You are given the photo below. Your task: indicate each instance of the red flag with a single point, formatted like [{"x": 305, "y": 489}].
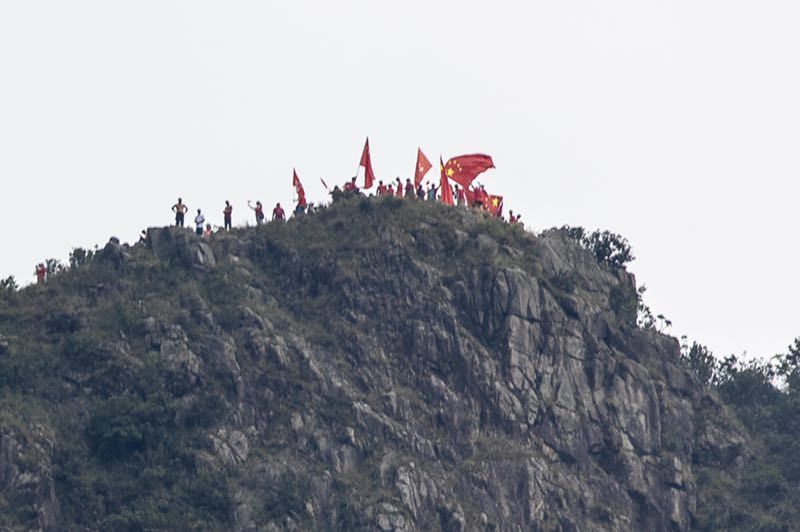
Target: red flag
[
  {"x": 494, "y": 205},
  {"x": 298, "y": 187},
  {"x": 366, "y": 162},
  {"x": 465, "y": 168},
  {"x": 447, "y": 192},
  {"x": 423, "y": 165},
  {"x": 469, "y": 195}
]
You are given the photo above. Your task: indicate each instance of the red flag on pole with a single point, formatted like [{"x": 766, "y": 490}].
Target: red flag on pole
[
  {"x": 298, "y": 188},
  {"x": 423, "y": 165},
  {"x": 494, "y": 205},
  {"x": 465, "y": 168},
  {"x": 366, "y": 162},
  {"x": 447, "y": 192}
]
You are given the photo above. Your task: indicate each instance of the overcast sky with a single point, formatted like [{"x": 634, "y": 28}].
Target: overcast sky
[{"x": 676, "y": 124}]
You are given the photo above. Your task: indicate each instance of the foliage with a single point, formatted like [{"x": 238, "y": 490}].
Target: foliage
[
  {"x": 80, "y": 257},
  {"x": 54, "y": 267},
  {"x": 127, "y": 425},
  {"x": 644, "y": 316},
  {"x": 9, "y": 284},
  {"x": 765, "y": 396},
  {"x": 607, "y": 247},
  {"x": 700, "y": 360}
]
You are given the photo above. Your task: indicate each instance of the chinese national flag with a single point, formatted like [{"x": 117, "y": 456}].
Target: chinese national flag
[
  {"x": 298, "y": 188},
  {"x": 447, "y": 192},
  {"x": 494, "y": 205},
  {"x": 423, "y": 165},
  {"x": 465, "y": 168},
  {"x": 366, "y": 162}
]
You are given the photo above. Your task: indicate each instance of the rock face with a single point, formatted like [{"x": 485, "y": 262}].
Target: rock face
[
  {"x": 180, "y": 246},
  {"x": 437, "y": 371},
  {"x": 26, "y": 475}
]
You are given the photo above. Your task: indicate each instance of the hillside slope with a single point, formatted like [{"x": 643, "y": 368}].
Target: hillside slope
[{"x": 380, "y": 365}]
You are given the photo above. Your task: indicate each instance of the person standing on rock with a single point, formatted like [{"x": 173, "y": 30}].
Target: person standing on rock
[
  {"x": 227, "y": 212},
  {"x": 179, "y": 209},
  {"x": 278, "y": 213},
  {"x": 207, "y": 233},
  {"x": 199, "y": 220},
  {"x": 259, "y": 211}
]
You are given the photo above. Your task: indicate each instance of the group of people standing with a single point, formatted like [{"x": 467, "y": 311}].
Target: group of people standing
[{"x": 204, "y": 229}]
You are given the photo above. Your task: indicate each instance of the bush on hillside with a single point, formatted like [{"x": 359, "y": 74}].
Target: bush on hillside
[{"x": 607, "y": 247}]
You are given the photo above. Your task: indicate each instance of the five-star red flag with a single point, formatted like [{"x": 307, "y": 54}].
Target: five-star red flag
[
  {"x": 298, "y": 188},
  {"x": 494, "y": 205},
  {"x": 465, "y": 168},
  {"x": 366, "y": 162},
  {"x": 447, "y": 192},
  {"x": 423, "y": 165}
]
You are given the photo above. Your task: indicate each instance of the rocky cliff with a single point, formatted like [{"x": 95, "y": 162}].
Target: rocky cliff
[{"x": 379, "y": 365}]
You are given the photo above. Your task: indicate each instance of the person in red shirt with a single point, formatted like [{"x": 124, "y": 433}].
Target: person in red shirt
[
  {"x": 41, "y": 273},
  {"x": 227, "y": 212},
  {"x": 390, "y": 190},
  {"x": 410, "y": 191},
  {"x": 399, "y": 190},
  {"x": 259, "y": 211},
  {"x": 351, "y": 187},
  {"x": 278, "y": 213},
  {"x": 381, "y": 189},
  {"x": 480, "y": 197}
]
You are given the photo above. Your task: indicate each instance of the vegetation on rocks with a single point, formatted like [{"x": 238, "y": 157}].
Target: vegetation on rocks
[{"x": 381, "y": 364}]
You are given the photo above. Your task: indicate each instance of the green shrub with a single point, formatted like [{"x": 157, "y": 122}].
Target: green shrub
[{"x": 125, "y": 426}]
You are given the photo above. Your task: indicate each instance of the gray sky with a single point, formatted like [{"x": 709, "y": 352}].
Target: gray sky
[{"x": 676, "y": 124}]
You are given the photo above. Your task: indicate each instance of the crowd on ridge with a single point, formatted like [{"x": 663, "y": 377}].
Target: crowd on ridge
[
  {"x": 428, "y": 192},
  {"x": 462, "y": 169},
  {"x": 407, "y": 190}
]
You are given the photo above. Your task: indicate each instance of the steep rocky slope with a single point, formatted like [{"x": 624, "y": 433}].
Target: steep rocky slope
[{"x": 380, "y": 365}]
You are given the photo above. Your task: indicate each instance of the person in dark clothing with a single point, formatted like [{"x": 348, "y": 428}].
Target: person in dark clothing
[
  {"x": 227, "y": 213},
  {"x": 179, "y": 209}
]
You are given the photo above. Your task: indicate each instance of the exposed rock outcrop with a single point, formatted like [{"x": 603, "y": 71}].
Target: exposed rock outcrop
[{"x": 397, "y": 366}]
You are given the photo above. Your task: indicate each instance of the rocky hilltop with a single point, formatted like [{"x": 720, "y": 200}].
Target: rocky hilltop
[{"x": 379, "y": 365}]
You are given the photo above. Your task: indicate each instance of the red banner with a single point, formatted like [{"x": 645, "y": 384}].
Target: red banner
[
  {"x": 465, "y": 168},
  {"x": 366, "y": 162}
]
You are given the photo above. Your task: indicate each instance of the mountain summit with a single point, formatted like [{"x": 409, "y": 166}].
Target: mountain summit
[{"x": 379, "y": 365}]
